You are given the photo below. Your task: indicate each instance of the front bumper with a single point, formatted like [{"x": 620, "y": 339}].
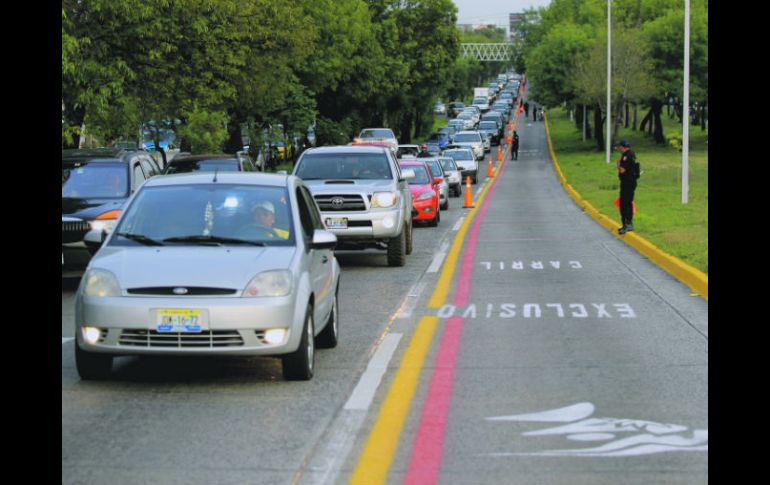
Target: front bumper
[
  {"x": 230, "y": 325},
  {"x": 426, "y": 210},
  {"x": 374, "y": 224}
]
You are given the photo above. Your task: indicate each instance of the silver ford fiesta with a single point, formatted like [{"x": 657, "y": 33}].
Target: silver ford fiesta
[{"x": 211, "y": 264}]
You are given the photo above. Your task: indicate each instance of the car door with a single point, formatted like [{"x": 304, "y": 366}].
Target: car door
[
  {"x": 321, "y": 260},
  {"x": 137, "y": 174},
  {"x": 403, "y": 188}
]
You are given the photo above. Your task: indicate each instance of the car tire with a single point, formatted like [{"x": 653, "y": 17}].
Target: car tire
[
  {"x": 446, "y": 204},
  {"x": 436, "y": 220},
  {"x": 397, "y": 250},
  {"x": 298, "y": 365},
  {"x": 92, "y": 366},
  {"x": 410, "y": 239},
  {"x": 329, "y": 336},
  {"x": 475, "y": 180}
]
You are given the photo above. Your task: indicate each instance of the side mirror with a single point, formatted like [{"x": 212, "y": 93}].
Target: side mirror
[
  {"x": 323, "y": 240},
  {"x": 407, "y": 174},
  {"x": 94, "y": 239},
  {"x": 438, "y": 180}
]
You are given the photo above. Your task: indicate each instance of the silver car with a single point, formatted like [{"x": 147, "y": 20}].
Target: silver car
[
  {"x": 438, "y": 172},
  {"x": 452, "y": 173},
  {"x": 211, "y": 264}
]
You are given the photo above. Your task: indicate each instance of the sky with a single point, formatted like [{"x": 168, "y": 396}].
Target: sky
[{"x": 493, "y": 11}]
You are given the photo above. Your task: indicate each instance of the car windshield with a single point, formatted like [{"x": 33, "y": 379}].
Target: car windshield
[
  {"x": 207, "y": 214},
  {"x": 480, "y": 100},
  {"x": 467, "y": 137},
  {"x": 459, "y": 154},
  {"x": 356, "y": 166},
  {"x": 487, "y": 125},
  {"x": 182, "y": 166},
  {"x": 94, "y": 180},
  {"x": 377, "y": 134},
  {"x": 420, "y": 174},
  {"x": 448, "y": 163}
]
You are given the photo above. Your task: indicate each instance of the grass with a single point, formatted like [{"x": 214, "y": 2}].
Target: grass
[{"x": 661, "y": 218}]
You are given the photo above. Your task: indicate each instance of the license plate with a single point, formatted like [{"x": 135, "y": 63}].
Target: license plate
[
  {"x": 336, "y": 222},
  {"x": 184, "y": 321}
]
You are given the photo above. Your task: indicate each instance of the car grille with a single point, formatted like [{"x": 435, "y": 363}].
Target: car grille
[
  {"x": 206, "y": 339},
  {"x": 346, "y": 202},
  {"x": 73, "y": 231},
  {"x": 191, "y": 291}
]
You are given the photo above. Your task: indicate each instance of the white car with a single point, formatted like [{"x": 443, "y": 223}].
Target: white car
[
  {"x": 482, "y": 103},
  {"x": 211, "y": 264},
  {"x": 378, "y": 135},
  {"x": 465, "y": 161},
  {"x": 472, "y": 140}
]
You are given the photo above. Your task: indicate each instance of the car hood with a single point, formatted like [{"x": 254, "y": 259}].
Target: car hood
[
  {"x": 216, "y": 267},
  {"x": 335, "y": 186},
  {"x": 468, "y": 143},
  {"x": 89, "y": 208},
  {"x": 419, "y": 189}
]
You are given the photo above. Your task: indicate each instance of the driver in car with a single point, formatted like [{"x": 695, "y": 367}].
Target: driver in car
[{"x": 264, "y": 217}]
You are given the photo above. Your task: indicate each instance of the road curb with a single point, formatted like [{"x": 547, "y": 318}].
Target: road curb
[{"x": 697, "y": 280}]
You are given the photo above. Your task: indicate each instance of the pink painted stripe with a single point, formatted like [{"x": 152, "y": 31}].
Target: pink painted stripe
[{"x": 425, "y": 462}]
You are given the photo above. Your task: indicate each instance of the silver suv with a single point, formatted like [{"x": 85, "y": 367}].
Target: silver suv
[{"x": 363, "y": 197}]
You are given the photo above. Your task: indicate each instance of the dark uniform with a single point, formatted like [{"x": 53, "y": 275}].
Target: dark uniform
[
  {"x": 515, "y": 146},
  {"x": 424, "y": 153},
  {"x": 628, "y": 178}
]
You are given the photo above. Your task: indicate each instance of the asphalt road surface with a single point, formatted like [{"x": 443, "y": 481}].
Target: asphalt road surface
[{"x": 521, "y": 344}]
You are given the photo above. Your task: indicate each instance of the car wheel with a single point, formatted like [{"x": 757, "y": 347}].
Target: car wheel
[
  {"x": 329, "y": 336},
  {"x": 446, "y": 204},
  {"x": 298, "y": 366},
  {"x": 410, "y": 239},
  {"x": 436, "y": 220},
  {"x": 397, "y": 250},
  {"x": 92, "y": 366}
]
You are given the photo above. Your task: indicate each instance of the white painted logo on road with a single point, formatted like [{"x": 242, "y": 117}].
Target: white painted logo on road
[{"x": 630, "y": 437}]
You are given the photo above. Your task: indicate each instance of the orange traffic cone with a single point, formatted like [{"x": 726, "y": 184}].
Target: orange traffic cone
[
  {"x": 468, "y": 196},
  {"x": 499, "y": 154},
  {"x": 490, "y": 172}
]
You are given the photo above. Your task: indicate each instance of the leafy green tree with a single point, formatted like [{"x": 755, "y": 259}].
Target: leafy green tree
[{"x": 205, "y": 130}]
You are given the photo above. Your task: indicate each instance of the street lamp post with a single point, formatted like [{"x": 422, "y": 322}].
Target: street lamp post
[
  {"x": 686, "y": 106},
  {"x": 609, "y": 77}
]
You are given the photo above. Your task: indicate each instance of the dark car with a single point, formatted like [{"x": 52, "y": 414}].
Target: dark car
[
  {"x": 95, "y": 185},
  {"x": 492, "y": 129},
  {"x": 210, "y": 163},
  {"x": 439, "y": 138},
  {"x": 455, "y": 108}
]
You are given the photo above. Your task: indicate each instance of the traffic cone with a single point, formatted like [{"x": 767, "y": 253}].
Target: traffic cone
[
  {"x": 499, "y": 154},
  {"x": 468, "y": 196},
  {"x": 490, "y": 172}
]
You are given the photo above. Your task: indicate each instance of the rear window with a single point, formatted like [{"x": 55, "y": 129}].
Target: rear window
[
  {"x": 459, "y": 154},
  {"x": 487, "y": 125},
  {"x": 94, "y": 180},
  {"x": 377, "y": 134},
  {"x": 467, "y": 137},
  {"x": 184, "y": 166},
  {"x": 480, "y": 100},
  {"x": 355, "y": 166},
  {"x": 435, "y": 169},
  {"x": 448, "y": 163},
  {"x": 420, "y": 175}
]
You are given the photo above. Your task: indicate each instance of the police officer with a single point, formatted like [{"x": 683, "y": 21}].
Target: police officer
[
  {"x": 628, "y": 173},
  {"x": 515, "y": 145},
  {"x": 424, "y": 153}
]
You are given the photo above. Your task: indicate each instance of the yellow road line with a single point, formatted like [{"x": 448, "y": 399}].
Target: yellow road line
[{"x": 383, "y": 440}]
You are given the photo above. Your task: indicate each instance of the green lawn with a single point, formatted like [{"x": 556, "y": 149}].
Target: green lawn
[{"x": 679, "y": 229}]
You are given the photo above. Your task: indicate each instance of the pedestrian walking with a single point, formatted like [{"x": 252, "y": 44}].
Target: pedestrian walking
[
  {"x": 515, "y": 145},
  {"x": 628, "y": 172},
  {"x": 534, "y": 112},
  {"x": 526, "y": 108}
]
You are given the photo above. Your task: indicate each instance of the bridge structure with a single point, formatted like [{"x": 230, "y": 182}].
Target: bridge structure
[{"x": 486, "y": 52}]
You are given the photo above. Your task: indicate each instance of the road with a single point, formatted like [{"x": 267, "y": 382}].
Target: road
[{"x": 537, "y": 349}]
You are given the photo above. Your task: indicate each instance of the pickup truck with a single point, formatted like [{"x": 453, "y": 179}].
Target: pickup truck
[{"x": 363, "y": 197}]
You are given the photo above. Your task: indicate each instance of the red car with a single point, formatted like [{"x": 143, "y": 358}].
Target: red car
[{"x": 425, "y": 192}]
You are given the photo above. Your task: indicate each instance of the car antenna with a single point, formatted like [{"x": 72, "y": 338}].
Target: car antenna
[{"x": 216, "y": 171}]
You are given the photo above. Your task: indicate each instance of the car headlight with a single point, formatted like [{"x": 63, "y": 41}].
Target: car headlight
[
  {"x": 101, "y": 283},
  {"x": 383, "y": 199},
  {"x": 106, "y": 222},
  {"x": 269, "y": 283},
  {"x": 425, "y": 195}
]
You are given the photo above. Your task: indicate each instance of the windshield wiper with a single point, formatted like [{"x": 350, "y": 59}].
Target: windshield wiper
[
  {"x": 211, "y": 240},
  {"x": 140, "y": 238}
]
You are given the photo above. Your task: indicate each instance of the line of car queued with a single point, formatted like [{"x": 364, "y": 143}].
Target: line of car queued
[{"x": 217, "y": 258}]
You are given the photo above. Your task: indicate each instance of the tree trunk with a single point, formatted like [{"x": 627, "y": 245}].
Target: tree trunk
[
  {"x": 633, "y": 127},
  {"x": 75, "y": 117},
  {"x": 647, "y": 119},
  {"x": 589, "y": 135},
  {"x": 658, "y": 133},
  {"x": 598, "y": 127},
  {"x": 625, "y": 119},
  {"x": 234, "y": 141}
]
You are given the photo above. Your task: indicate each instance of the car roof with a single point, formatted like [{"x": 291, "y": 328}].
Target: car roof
[
  {"x": 112, "y": 153},
  {"x": 413, "y": 162},
  {"x": 362, "y": 148},
  {"x": 198, "y": 158},
  {"x": 247, "y": 178}
]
